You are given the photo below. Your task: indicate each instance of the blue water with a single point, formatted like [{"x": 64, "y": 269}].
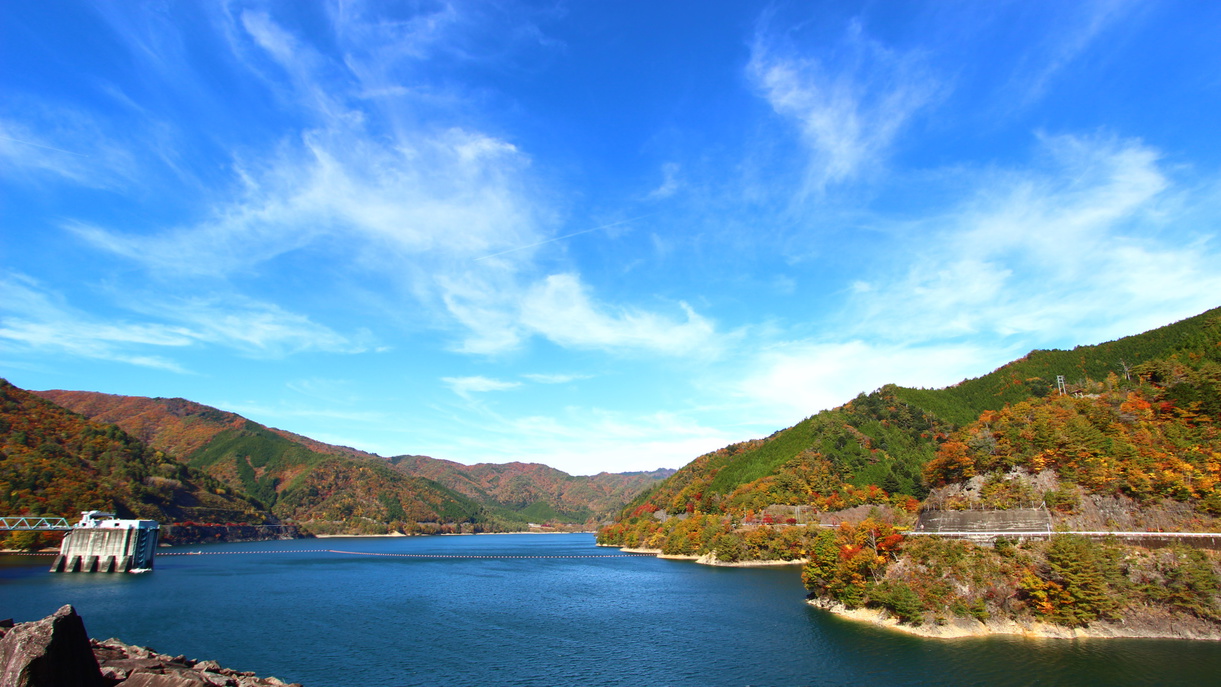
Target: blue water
[{"x": 330, "y": 620}]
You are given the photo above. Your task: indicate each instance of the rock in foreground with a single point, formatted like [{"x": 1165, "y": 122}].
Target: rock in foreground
[{"x": 56, "y": 651}]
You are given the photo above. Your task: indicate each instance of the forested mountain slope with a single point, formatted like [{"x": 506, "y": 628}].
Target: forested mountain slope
[
  {"x": 1134, "y": 443},
  {"x": 307, "y": 480},
  {"x": 874, "y": 449},
  {"x": 332, "y": 491},
  {"x": 1034, "y": 375},
  {"x": 56, "y": 462},
  {"x": 1126, "y": 456},
  {"x": 533, "y": 490},
  {"x": 174, "y": 425}
]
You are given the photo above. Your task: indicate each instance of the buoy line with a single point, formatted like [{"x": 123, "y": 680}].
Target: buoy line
[{"x": 400, "y": 555}]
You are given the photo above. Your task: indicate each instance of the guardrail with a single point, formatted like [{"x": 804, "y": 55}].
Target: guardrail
[
  {"x": 1048, "y": 533},
  {"x": 34, "y": 523}
]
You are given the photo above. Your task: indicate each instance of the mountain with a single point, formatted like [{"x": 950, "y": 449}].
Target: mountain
[
  {"x": 873, "y": 450},
  {"x": 532, "y": 490},
  {"x": 1131, "y": 456},
  {"x": 56, "y": 462},
  {"x": 307, "y": 480},
  {"x": 1034, "y": 375},
  {"x": 1130, "y": 442},
  {"x": 332, "y": 490}
]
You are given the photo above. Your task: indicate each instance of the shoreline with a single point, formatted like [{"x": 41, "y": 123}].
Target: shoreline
[
  {"x": 1136, "y": 626},
  {"x": 708, "y": 558},
  {"x": 440, "y": 534}
]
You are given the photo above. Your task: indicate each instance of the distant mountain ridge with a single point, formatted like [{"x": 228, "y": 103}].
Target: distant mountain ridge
[
  {"x": 539, "y": 491},
  {"x": 302, "y": 478}
]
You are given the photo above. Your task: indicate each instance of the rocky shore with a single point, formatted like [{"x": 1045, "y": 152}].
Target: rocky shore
[
  {"x": 1151, "y": 624},
  {"x": 57, "y": 651}
]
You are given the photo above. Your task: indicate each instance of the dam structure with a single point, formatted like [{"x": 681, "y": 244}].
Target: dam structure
[{"x": 102, "y": 543}]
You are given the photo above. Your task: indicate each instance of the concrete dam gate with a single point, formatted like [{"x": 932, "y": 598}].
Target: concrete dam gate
[{"x": 102, "y": 543}]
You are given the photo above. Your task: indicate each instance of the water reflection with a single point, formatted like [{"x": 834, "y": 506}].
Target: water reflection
[{"x": 327, "y": 619}]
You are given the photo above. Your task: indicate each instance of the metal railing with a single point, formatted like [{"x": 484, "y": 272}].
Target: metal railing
[{"x": 34, "y": 523}]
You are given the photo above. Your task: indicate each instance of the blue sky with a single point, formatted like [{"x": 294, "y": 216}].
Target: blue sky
[{"x": 597, "y": 235}]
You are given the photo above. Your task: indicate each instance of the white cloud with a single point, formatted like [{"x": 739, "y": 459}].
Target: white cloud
[
  {"x": 849, "y": 111},
  {"x": 1091, "y": 243},
  {"x": 669, "y": 182},
  {"x": 792, "y": 380},
  {"x": 442, "y": 196},
  {"x": 1094, "y": 243},
  {"x": 260, "y": 329},
  {"x": 554, "y": 378},
  {"x": 1070, "y": 35},
  {"x": 465, "y": 386},
  {"x": 583, "y": 441},
  {"x": 64, "y": 143},
  {"x": 32, "y": 318},
  {"x": 501, "y": 315},
  {"x": 36, "y": 318},
  {"x": 560, "y": 309},
  {"x": 375, "y": 192}
]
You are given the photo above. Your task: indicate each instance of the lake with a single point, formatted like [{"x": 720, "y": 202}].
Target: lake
[{"x": 565, "y": 612}]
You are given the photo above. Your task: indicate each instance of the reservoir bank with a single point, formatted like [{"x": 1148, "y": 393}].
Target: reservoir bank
[{"x": 527, "y": 610}]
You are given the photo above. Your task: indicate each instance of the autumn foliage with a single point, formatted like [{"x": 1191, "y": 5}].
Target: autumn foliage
[
  {"x": 54, "y": 462},
  {"x": 1134, "y": 441}
]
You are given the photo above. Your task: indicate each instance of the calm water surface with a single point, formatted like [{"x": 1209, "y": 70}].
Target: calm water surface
[{"x": 330, "y": 620}]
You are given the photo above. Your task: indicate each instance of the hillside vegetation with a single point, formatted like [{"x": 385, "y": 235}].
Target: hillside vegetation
[
  {"x": 1137, "y": 431},
  {"x": 1130, "y": 443},
  {"x": 531, "y": 490},
  {"x": 55, "y": 462},
  {"x": 341, "y": 489}
]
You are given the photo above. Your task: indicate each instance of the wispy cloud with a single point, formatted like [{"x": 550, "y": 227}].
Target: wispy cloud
[
  {"x": 1069, "y": 37},
  {"x": 1097, "y": 239},
  {"x": 848, "y": 110},
  {"x": 33, "y": 316},
  {"x": 1075, "y": 243},
  {"x": 466, "y": 386},
  {"x": 560, "y": 309},
  {"x": 795, "y": 379},
  {"x": 554, "y": 378},
  {"x": 255, "y": 328},
  {"x": 438, "y": 196},
  {"x": 63, "y": 144},
  {"x": 581, "y": 437},
  {"x": 669, "y": 182},
  {"x": 422, "y": 206}
]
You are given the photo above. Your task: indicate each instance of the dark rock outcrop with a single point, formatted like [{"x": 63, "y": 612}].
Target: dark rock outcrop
[
  {"x": 50, "y": 652},
  {"x": 57, "y": 652}
]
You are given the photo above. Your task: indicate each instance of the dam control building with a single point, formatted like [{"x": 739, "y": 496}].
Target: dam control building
[{"x": 100, "y": 542}]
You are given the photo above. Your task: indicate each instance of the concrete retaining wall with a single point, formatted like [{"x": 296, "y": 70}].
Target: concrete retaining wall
[{"x": 1017, "y": 520}]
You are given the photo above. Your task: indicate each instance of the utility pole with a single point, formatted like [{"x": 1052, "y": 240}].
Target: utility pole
[{"x": 1063, "y": 388}]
